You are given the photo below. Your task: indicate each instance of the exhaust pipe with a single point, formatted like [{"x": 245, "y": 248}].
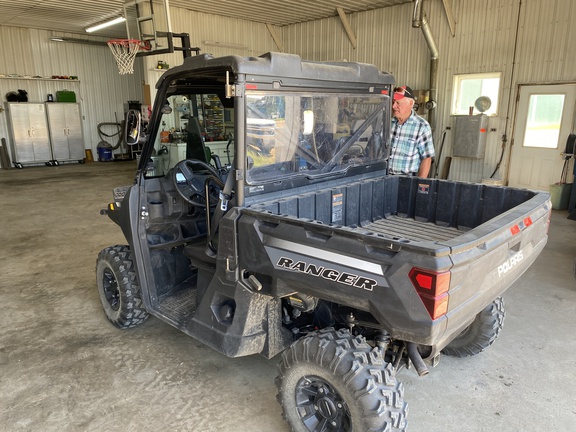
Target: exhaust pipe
[
  {"x": 416, "y": 359},
  {"x": 417, "y": 14},
  {"x": 420, "y": 21}
]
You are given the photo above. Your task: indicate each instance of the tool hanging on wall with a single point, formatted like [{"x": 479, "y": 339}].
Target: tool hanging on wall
[{"x": 568, "y": 154}]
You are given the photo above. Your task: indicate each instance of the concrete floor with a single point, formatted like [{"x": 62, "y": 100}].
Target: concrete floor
[{"x": 63, "y": 367}]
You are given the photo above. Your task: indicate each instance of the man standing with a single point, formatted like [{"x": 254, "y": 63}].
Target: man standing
[{"x": 411, "y": 147}]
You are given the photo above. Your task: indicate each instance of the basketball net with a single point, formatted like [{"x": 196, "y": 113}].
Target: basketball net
[{"x": 124, "y": 51}]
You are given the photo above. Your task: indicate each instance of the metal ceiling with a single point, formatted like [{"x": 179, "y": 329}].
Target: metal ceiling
[{"x": 73, "y": 16}]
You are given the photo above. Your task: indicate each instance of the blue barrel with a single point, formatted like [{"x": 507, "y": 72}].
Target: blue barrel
[{"x": 104, "y": 154}]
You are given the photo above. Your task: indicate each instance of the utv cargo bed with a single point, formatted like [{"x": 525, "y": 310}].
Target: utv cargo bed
[{"x": 412, "y": 211}]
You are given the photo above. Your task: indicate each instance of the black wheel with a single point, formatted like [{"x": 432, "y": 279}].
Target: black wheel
[
  {"x": 118, "y": 287},
  {"x": 481, "y": 333},
  {"x": 81, "y": 161},
  {"x": 332, "y": 381},
  {"x": 18, "y": 165}
]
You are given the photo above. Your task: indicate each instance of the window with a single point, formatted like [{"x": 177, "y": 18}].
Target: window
[
  {"x": 469, "y": 87},
  {"x": 310, "y": 134},
  {"x": 544, "y": 118}
]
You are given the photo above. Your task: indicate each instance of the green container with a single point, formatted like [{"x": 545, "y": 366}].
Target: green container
[
  {"x": 65, "y": 96},
  {"x": 560, "y": 195}
]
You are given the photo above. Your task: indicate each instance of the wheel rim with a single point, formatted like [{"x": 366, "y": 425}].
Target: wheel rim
[
  {"x": 111, "y": 291},
  {"x": 320, "y": 407}
]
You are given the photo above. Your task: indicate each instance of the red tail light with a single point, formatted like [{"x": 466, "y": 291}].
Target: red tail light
[{"x": 432, "y": 287}]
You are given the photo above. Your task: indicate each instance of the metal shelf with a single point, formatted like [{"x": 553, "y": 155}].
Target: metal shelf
[{"x": 40, "y": 79}]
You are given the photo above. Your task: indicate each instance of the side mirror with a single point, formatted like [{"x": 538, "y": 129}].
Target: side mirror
[{"x": 132, "y": 127}]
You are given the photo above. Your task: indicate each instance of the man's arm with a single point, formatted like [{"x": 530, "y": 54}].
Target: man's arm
[
  {"x": 426, "y": 150},
  {"x": 424, "y": 167}
]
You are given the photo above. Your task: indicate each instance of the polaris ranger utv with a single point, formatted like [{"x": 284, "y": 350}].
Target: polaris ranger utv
[{"x": 262, "y": 221}]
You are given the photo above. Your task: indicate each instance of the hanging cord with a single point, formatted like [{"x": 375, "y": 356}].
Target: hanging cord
[
  {"x": 504, "y": 140},
  {"x": 512, "y": 72},
  {"x": 564, "y": 171},
  {"x": 568, "y": 154},
  {"x": 106, "y": 144}
]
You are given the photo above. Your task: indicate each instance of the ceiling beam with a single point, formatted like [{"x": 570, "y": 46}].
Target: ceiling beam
[
  {"x": 275, "y": 37},
  {"x": 449, "y": 16},
  {"x": 347, "y": 27}
]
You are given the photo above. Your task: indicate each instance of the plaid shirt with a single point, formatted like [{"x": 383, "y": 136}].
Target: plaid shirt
[{"x": 409, "y": 144}]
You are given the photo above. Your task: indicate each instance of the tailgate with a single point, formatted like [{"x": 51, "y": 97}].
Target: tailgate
[{"x": 490, "y": 258}]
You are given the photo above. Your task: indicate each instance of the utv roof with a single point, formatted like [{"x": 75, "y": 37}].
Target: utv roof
[{"x": 281, "y": 65}]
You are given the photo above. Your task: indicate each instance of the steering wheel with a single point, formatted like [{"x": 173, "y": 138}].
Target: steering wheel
[{"x": 190, "y": 185}]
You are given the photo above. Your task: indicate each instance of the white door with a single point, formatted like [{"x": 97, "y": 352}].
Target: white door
[{"x": 544, "y": 120}]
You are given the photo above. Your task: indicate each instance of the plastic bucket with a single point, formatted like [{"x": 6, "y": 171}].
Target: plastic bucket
[
  {"x": 104, "y": 154},
  {"x": 560, "y": 195}
]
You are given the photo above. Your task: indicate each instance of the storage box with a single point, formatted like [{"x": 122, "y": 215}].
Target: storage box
[
  {"x": 560, "y": 195},
  {"x": 65, "y": 96}
]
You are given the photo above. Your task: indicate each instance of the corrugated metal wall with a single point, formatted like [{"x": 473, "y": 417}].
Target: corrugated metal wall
[
  {"x": 484, "y": 42},
  {"x": 100, "y": 90}
]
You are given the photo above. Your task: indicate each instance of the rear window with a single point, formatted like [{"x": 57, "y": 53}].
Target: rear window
[{"x": 312, "y": 134}]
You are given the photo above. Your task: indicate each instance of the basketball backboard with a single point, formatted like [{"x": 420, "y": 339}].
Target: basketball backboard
[{"x": 149, "y": 22}]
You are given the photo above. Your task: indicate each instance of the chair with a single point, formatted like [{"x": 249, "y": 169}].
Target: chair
[{"x": 195, "y": 148}]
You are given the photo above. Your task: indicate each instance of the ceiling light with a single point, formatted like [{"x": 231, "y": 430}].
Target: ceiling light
[
  {"x": 225, "y": 44},
  {"x": 105, "y": 24}
]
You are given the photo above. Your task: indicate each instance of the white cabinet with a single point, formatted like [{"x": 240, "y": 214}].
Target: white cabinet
[
  {"x": 65, "y": 126},
  {"x": 28, "y": 129},
  {"x": 176, "y": 152},
  {"x": 45, "y": 133},
  {"x": 219, "y": 148}
]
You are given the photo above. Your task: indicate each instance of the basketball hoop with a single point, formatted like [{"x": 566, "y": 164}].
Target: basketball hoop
[{"x": 124, "y": 51}]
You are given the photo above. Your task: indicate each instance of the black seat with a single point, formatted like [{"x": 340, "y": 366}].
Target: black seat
[{"x": 195, "y": 147}]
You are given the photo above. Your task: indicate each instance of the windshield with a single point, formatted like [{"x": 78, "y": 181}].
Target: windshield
[
  {"x": 312, "y": 134},
  {"x": 193, "y": 126}
]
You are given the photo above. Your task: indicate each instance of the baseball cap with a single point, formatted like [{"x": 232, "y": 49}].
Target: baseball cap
[{"x": 403, "y": 92}]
